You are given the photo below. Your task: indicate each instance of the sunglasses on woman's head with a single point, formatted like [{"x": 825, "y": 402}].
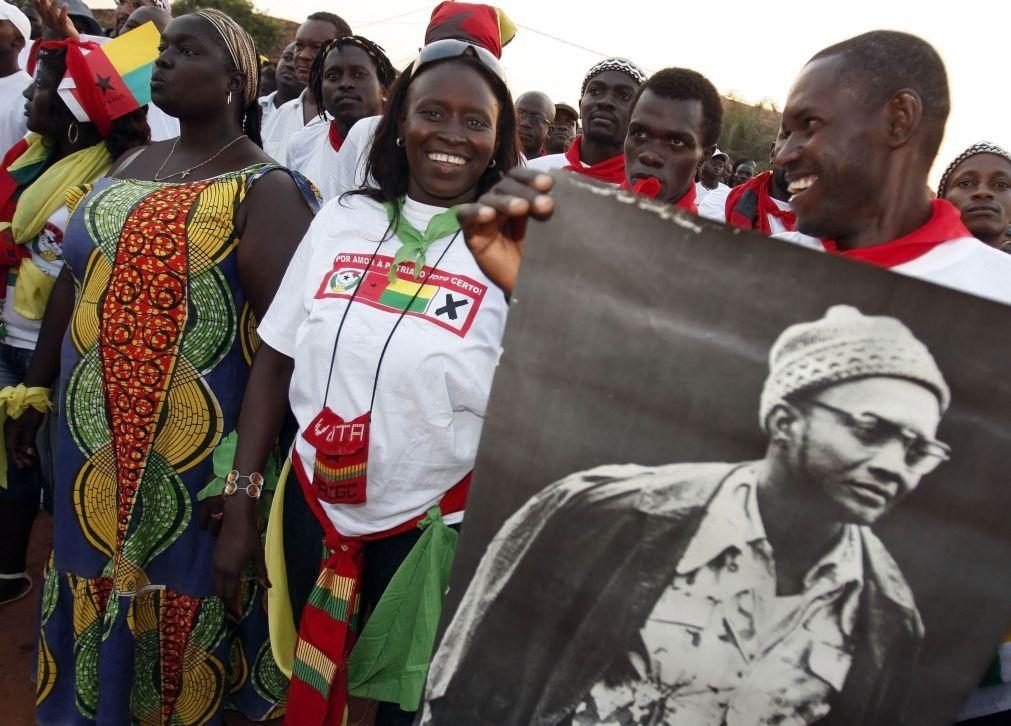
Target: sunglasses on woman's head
[{"x": 451, "y": 48}]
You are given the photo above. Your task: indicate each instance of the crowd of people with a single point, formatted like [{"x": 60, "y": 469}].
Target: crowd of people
[{"x": 319, "y": 252}]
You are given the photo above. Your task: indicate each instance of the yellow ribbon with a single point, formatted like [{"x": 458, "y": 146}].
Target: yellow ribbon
[{"x": 14, "y": 401}]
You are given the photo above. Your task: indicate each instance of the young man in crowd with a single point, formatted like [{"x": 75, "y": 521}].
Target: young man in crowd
[
  {"x": 711, "y": 176},
  {"x": 301, "y": 110},
  {"x": 534, "y": 115},
  {"x": 759, "y": 203},
  {"x": 288, "y": 86},
  {"x": 15, "y": 34},
  {"x": 978, "y": 182},
  {"x": 563, "y": 130},
  {"x": 862, "y": 126},
  {"x": 676, "y": 120},
  {"x": 744, "y": 169},
  {"x": 605, "y": 105}
]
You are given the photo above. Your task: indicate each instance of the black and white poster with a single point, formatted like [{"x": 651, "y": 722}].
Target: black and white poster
[{"x": 728, "y": 480}]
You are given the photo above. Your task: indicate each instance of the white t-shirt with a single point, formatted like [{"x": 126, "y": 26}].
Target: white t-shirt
[
  {"x": 13, "y": 125},
  {"x": 702, "y": 191},
  {"x": 283, "y": 124},
  {"x": 47, "y": 254},
  {"x": 267, "y": 108},
  {"x": 714, "y": 204},
  {"x": 435, "y": 378},
  {"x": 963, "y": 264},
  {"x": 348, "y": 170},
  {"x": 549, "y": 163},
  {"x": 311, "y": 154}
]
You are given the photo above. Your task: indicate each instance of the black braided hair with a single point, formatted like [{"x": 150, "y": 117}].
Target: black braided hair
[
  {"x": 252, "y": 120},
  {"x": 385, "y": 71}
]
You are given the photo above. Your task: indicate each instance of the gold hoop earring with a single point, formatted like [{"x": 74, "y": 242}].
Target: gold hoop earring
[
  {"x": 399, "y": 142},
  {"x": 73, "y": 132}
]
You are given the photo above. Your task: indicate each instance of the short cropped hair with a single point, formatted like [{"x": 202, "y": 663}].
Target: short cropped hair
[
  {"x": 684, "y": 84},
  {"x": 879, "y": 64},
  {"x": 339, "y": 24}
]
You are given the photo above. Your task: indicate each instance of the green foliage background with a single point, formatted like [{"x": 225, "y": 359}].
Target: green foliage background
[{"x": 267, "y": 32}]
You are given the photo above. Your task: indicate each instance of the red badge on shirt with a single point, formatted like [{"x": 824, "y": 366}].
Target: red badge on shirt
[{"x": 342, "y": 454}]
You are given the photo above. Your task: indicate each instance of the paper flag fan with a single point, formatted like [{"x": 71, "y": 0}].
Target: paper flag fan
[{"x": 121, "y": 71}]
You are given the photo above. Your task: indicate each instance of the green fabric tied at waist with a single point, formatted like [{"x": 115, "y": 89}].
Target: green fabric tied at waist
[
  {"x": 391, "y": 658},
  {"x": 224, "y": 459}
]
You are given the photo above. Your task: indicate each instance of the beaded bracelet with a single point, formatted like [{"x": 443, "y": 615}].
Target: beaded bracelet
[{"x": 253, "y": 490}]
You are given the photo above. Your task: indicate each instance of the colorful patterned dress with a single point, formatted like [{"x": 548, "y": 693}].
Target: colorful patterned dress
[{"x": 153, "y": 370}]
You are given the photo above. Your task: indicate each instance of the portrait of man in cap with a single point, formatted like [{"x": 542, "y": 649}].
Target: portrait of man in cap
[{"x": 704, "y": 594}]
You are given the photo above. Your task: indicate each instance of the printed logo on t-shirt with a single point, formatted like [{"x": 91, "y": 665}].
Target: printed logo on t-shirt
[
  {"x": 450, "y": 301},
  {"x": 49, "y": 244}
]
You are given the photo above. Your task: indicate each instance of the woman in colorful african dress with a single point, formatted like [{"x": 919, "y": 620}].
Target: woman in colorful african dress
[{"x": 172, "y": 259}]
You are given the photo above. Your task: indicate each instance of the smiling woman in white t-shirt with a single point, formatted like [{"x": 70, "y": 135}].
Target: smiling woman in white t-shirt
[{"x": 385, "y": 333}]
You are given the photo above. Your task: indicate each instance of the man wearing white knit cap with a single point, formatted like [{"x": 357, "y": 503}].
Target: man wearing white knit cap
[
  {"x": 15, "y": 34},
  {"x": 712, "y": 594}
]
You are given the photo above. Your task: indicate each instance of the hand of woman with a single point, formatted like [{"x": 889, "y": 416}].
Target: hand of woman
[
  {"x": 55, "y": 17},
  {"x": 495, "y": 227},
  {"x": 20, "y": 436},
  {"x": 210, "y": 514},
  {"x": 238, "y": 544}
]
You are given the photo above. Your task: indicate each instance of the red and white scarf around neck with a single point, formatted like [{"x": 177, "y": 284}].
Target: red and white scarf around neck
[
  {"x": 945, "y": 224},
  {"x": 610, "y": 171}
]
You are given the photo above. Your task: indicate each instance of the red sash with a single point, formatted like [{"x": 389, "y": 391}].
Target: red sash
[
  {"x": 11, "y": 253},
  {"x": 611, "y": 171},
  {"x": 750, "y": 204},
  {"x": 945, "y": 224},
  {"x": 330, "y": 623}
]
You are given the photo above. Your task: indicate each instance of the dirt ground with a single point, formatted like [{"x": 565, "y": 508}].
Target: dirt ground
[
  {"x": 18, "y": 623},
  {"x": 17, "y": 635}
]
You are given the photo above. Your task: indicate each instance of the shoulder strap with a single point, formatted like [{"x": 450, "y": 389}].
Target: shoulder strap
[
  {"x": 126, "y": 160},
  {"x": 310, "y": 194}
]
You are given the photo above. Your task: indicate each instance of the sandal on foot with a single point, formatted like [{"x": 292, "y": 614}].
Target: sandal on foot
[{"x": 24, "y": 576}]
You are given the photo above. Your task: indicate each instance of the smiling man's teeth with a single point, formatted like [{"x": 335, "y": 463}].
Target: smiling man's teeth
[
  {"x": 448, "y": 159},
  {"x": 800, "y": 185}
]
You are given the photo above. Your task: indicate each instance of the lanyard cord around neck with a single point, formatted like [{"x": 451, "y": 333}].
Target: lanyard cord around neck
[{"x": 354, "y": 294}]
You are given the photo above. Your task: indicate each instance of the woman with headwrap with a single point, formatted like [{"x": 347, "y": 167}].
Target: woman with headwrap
[
  {"x": 58, "y": 154},
  {"x": 978, "y": 182},
  {"x": 172, "y": 258}
]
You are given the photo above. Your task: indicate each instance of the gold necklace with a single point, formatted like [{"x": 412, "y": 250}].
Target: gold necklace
[{"x": 186, "y": 172}]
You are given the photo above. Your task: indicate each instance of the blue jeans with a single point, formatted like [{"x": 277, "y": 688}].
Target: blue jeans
[{"x": 26, "y": 484}]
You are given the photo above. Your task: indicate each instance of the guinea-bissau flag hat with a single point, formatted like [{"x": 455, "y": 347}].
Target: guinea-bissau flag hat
[
  {"x": 105, "y": 82},
  {"x": 483, "y": 25}
]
